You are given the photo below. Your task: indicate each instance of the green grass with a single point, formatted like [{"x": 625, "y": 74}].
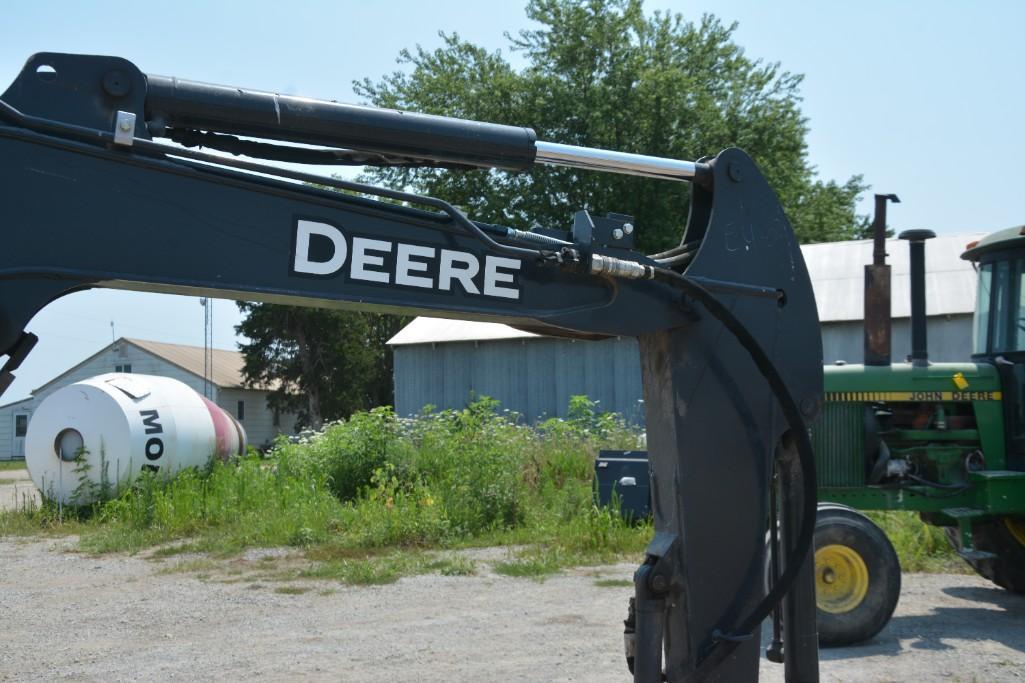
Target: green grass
[
  {"x": 12, "y": 465},
  {"x": 920, "y": 546},
  {"x": 385, "y": 569},
  {"x": 365, "y": 499},
  {"x": 539, "y": 567},
  {"x": 614, "y": 583},
  {"x": 203, "y": 565},
  {"x": 172, "y": 550},
  {"x": 291, "y": 590}
]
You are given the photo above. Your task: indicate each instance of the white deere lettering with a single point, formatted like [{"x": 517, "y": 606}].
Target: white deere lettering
[
  {"x": 492, "y": 276},
  {"x": 361, "y": 259},
  {"x": 448, "y": 271},
  {"x": 407, "y": 265},
  {"x": 303, "y": 264},
  {"x": 404, "y": 265}
]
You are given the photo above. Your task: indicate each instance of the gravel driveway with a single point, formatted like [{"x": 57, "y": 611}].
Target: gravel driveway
[{"x": 70, "y": 616}]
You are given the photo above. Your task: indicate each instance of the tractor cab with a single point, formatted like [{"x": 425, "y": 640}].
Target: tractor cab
[{"x": 999, "y": 328}]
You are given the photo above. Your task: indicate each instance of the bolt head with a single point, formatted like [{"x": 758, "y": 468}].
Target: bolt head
[
  {"x": 126, "y": 125},
  {"x": 617, "y": 233},
  {"x": 659, "y": 583},
  {"x": 117, "y": 83}
]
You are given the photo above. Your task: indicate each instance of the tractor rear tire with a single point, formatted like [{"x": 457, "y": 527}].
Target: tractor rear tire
[
  {"x": 1005, "y": 538},
  {"x": 857, "y": 576}
]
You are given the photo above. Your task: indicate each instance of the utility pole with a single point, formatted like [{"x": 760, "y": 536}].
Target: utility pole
[{"x": 208, "y": 346}]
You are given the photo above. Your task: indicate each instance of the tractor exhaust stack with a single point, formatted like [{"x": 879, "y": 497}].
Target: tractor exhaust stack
[
  {"x": 916, "y": 244},
  {"x": 877, "y": 290}
]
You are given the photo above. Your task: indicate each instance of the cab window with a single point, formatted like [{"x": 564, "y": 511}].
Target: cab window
[{"x": 1000, "y": 308}]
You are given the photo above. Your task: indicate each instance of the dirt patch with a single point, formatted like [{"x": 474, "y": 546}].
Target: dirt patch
[{"x": 72, "y": 616}]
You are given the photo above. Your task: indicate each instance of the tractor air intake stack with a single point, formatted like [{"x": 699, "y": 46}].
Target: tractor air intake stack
[
  {"x": 916, "y": 244},
  {"x": 877, "y": 290}
]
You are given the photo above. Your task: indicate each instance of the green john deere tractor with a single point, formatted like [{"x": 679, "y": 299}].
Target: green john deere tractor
[{"x": 946, "y": 440}]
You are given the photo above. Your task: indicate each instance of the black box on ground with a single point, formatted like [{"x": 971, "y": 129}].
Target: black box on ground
[{"x": 626, "y": 474}]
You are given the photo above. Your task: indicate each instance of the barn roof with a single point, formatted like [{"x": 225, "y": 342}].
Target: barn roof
[
  {"x": 227, "y": 365},
  {"x": 227, "y": 370},
  {"x": 837, "y": 271}
]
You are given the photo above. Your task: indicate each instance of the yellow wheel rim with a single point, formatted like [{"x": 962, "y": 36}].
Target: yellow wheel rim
[
  {"x": 1017, "y": 528},
  {"x": 841, "y": 579}
]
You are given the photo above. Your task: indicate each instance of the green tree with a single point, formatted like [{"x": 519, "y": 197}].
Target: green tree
[
  {"x": 319, "y": 364},
  {"x": 602, "y": 73}
]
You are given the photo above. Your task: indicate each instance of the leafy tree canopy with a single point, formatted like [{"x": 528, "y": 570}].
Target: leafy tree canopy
[
  {"x": 321, "y": 365},
  {"x": 602, "y": 73}
]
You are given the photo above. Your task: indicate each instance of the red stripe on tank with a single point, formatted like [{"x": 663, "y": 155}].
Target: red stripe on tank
[{"x": 223, "y": 429}]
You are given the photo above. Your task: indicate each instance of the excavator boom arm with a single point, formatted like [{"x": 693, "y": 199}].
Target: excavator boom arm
[{"x": 728, "y": 330}]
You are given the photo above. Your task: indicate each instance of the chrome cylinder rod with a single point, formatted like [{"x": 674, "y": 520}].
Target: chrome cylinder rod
[{"x": 554, "y": 154}]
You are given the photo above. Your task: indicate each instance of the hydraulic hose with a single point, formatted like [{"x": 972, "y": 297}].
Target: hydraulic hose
[{"x": 725, "y": 642}]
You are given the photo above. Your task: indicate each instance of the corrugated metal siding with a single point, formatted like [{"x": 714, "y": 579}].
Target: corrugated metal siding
[
  {"x": 950, "y": 339},
  {"x": 837, "y": 271},
  {"x": 537, "y": 376}
]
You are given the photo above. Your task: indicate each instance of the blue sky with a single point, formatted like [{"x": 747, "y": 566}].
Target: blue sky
[{"x": 922, "y": 98}]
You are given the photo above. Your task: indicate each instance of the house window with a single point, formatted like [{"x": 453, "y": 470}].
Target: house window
[
  {"x": 127, "y": 367},
  {"x": 20, "y": 425},
  {"x": 240, "y": 411}
]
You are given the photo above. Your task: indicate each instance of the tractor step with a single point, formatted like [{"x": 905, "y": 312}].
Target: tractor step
[
  {"x": 963, "y": 513},
  {"x": 976, "y": 555}
]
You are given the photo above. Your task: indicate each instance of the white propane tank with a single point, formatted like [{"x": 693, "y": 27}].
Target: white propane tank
[{"x": 124, "y": 424}]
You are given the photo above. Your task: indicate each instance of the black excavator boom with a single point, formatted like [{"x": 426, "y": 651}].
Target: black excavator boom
[{"x": 727, "y": 324}]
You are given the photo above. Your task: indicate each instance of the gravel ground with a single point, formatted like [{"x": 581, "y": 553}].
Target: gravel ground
[{"x": 70, "y": 616}]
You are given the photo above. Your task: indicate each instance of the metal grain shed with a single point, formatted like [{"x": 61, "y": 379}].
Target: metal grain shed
[{"x": 445, "y": 363}]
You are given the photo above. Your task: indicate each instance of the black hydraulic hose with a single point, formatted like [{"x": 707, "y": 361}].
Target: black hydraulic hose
[
  {"x": 774, "y": 653},
  {"x": 725, "y": 642},
  {"x": 680, "y": 249},
  {"x": 949, "y": 490},
  {"x": 935, "y": 485},
  {"x": 161, "y": 150},
  {"x": 457, "y": 217},
  {"x": 301, "y": 155}
]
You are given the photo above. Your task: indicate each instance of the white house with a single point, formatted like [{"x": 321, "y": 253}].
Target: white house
[{"x": 184, "y": 363}]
